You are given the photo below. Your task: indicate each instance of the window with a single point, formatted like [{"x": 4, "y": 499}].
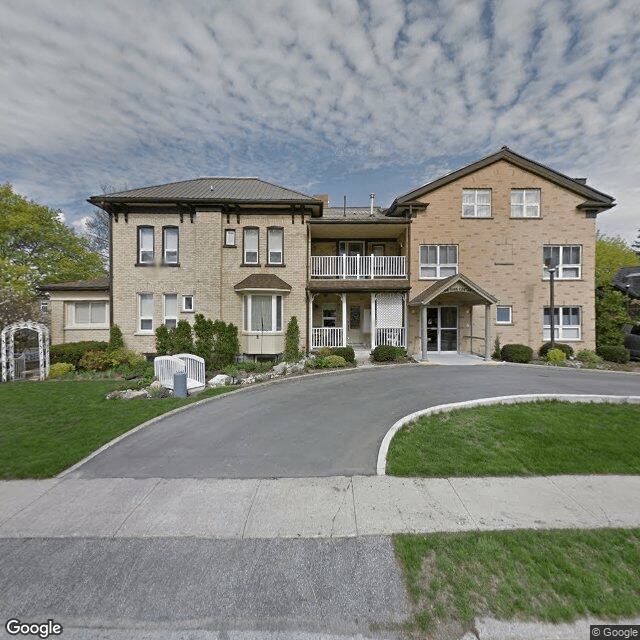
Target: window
[
  {"x": 476, "y": 203},
  {"x": 170, "y": 253},
  {"x": 145, "y": 245},
  {"x": 566, "y": 258},
  {"x": 145, "y": 312},
  {"x": 187, "y": 303},
  {"x": 171, "y": 310},
  {"x": 438, "y": 261},
  {"x": 263, "y": 313},
  {"x": 329, "y": 315},
  {"x": 89, "y": 314},
  {"x": 251, "y": 242},
  {"x": 275, "y": 241},
  {"x": 503, "y": 315},
  {"x": 230, "y": 238},
  {"x": 525, "y": 203},
  {"x": 566, "y": 321}
]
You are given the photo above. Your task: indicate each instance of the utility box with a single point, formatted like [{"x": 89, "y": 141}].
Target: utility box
[{"x": 180, "y": 384}]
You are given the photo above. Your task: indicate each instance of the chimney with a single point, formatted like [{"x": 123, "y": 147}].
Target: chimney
[
  {"x": 372, "y": 196},
  {"x": 323, "y": 197}
]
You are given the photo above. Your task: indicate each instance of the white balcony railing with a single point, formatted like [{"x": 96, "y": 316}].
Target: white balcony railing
[
  {"x": 395, "y": 336},
  {"x": 358, "y": 267},
  {"x": 326, "y": 337}
]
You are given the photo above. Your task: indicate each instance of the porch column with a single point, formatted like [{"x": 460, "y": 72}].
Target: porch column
[
  {"x": 310, "y": 324},
  {"x": 344, "y": 319},
  {"x": 405, "y": 320},
  {"x": 373, "y": 321},
  {"x": 487, "y": 332}
]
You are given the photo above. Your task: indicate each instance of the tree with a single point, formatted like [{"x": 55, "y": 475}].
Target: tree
[
  {"x": 14, "y": 307},
  {"x": 611, "y": 254},
  {"x": 636, "y": 245},
  {"x": 36, "y": 247},
  {"x": 98, "y": 227}
]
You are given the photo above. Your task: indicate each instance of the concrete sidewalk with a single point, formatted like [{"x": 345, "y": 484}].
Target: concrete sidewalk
[{"x": 311, "y": 507}]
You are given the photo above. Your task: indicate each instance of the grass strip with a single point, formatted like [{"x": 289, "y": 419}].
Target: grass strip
[
  {"x": 539, "y": 438},
  {"x": 48, "y": 426},
  {"x": 552, "y": 576}
]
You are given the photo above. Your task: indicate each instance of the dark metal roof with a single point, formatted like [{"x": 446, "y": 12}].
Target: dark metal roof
[
  {"x": 627, "y": 280},
  {"x": 596, "y": 199},
  {"x": 262, "y": 281},
  {"x": 209, "y": 190},
  {"x": 328, "y": 286},
  {"x": 96, "y": 284}
]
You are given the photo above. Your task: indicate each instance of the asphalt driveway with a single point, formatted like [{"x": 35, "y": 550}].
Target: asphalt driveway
[{"x": 321, "y": 425}]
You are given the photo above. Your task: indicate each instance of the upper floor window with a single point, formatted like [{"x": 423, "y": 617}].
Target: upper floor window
[
  {"x": 230, "y": 238},
  {"x": 275, "y": 242},
  {"x": 476, "y": 203},
  {"x": 438, "y": 261},
  {"x": 251, "y": 245},
  {"x": 145, "y": 245},
  {"x": 170, "y": 244},
  {"x": 525, "y": 203},
  {"x": 566, "y": 259},
  {"x": 566, "y": 323}
]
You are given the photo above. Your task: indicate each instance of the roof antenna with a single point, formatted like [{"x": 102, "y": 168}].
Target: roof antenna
[
  {"x": 344, "y": 207},
  {"x": 372, "y": 196}
]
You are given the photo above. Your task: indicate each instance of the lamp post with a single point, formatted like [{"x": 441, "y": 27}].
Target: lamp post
[{"x": 550, "y": 265}]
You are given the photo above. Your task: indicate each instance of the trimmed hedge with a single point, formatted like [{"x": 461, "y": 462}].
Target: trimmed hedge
[
  {"x": 329, "y": 362},
  {"x": 384, "y": 353},
  {"x": 516, "y": 353},
  {"x": 345, "y": 352},
  {"x": 614, "y": 353},
  {"x": 60, "y": 369},
  {"x": 544, "y": 349},
  {"x": 556, "y": 356},
  {"x": 72, "y": 352}
]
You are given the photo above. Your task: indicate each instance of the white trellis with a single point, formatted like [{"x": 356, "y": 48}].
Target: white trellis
[{"x": 8, "y": 355}]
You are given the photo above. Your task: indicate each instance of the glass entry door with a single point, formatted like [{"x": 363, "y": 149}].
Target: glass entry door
[{"x": 442, "y": 328}]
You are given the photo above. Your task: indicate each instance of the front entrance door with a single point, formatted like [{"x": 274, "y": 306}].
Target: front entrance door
[
  {"x": 441, "y": 329},
  {"x": 354, "y": 324}
]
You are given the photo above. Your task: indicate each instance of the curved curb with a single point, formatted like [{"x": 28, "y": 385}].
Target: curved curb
[{"x": 381, "y": 465}]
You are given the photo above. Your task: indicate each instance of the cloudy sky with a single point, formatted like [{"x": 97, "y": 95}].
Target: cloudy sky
[{"x": 345, "y": 97}]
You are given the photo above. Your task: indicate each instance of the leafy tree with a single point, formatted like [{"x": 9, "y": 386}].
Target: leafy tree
[
  {"x": 182, "y": 338},
  {"x": 611, "y": 254},
  {"x": 36, "y": 247},
  {"x": 636, "y": 245},
  {"x": 204, "y": 330},
  {"x": 611, "y": 315},
  {"x": 14, "y": 307}
]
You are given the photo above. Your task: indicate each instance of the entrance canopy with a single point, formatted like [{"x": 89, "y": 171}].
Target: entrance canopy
[{"x": 453, "y": 290}]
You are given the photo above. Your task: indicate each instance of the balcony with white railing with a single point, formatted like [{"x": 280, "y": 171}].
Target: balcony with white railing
[{"x": 358, "y": 267}]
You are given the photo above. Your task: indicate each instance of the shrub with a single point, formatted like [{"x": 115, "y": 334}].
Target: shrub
[
  {"x": 614, "y": 353},
  {"x": 589, "y": 358},
  {"x": 116, "y": 341},
  {"x": 292, "y": 341},
  {"x": 611, "y": 316},
  {"x": 60, "y": 369},
  {"x": 103, "y": 360},
  {"x": 332, "y": 361},
  {"x": 384, "y": 353},
  {"x": 516, "y": 353},
  {"x": 182, "y": 338},
  {"x": 163, "y": 341},
  {"x": 556, "y": 356},
  {"x": 226, "y": 345},
  {"x": 323, "y": 352},
  {"x": 496, "y": 348},
  {"x": 72, "y": 352},
  {"x": 567, "y": 349},
  {"x": 205, "y": 333},
  {"x": 346, "y": 352}
]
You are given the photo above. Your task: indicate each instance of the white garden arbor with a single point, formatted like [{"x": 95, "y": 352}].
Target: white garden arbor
[{"x": 8, "y": 355}]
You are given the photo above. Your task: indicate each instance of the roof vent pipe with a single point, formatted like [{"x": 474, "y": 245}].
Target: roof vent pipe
[{"x": 372, "y": 196}]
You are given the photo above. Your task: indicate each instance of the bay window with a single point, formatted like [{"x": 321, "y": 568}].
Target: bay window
[{"x": 263, "y": 313}]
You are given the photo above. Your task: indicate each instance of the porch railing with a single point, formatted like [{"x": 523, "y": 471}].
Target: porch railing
[
  {"x": 358, "y": 267},
  {"x": 326, "y": 337},
  {"x": 394, "y": 336}
]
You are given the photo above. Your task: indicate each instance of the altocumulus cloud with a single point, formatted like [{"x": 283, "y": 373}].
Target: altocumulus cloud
[{"x": 317, "y": 94}]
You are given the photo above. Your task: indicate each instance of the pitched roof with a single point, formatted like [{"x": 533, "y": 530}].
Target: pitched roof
[
  {"x": 262, "y": 281},
  {"x": 627, "y": 280},
  {"x": 468, "y": 291},
  {"x": 96, "y": 284},
  {"x": 210, "y": 190},
  {"x": 593, "y": 198}
]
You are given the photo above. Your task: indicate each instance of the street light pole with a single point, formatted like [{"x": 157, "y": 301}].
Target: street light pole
[{"x": 551, "y": 268}]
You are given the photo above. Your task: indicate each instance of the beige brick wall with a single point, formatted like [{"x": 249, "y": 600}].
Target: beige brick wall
[
  {"x": 61, "y": 306},
  {"x": 504, "y": 256},
  {"x": 208, "y": 270}
]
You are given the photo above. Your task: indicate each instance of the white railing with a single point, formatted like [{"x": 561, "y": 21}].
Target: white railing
[
  {"x": 326, "y": 337},
  {"x": 395, "y": 336},
  {"x": 358, "y": 267}
]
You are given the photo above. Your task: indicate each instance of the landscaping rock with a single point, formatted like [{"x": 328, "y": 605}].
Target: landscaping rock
[
  {"x": 219, "y": 381},
  {"x": 134, "y": 394},
  {"x": 280, "y": 369}
]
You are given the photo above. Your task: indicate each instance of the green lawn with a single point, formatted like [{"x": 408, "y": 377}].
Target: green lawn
[
  {"x": 551, "y": 576},
  {"x": 541, "y": 438},
  {"x": 48, "y": 426}
]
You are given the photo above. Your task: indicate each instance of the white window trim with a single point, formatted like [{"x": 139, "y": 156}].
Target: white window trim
[
  {"x": 438, "y": 265},
  {"x": 280, "y": 231},
  {"x": 246, "y": 315},
  {"x": 166, "y": 317},
  {"x": 244, "y": 245},
  {"x": 523, "y": 204},
  {"x": 151, "y": 230},
  {"x": 193, "y": 303},
  {"x": 560, "y": 328},
  {"x": 228, "y": 232},
  {"x": 504, "y": 306},
  {"x": 330, "y": 306},
  {"x": 140, "y": 330},
  {"x": 71, "y": 315},
  {"x": 165, "y": 251},
  {"x": 475, "y": 203},
  {"x": 561, "y": 266}
]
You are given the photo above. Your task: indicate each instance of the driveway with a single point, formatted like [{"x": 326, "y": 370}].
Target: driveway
[{"x": 321, "y": 425}]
